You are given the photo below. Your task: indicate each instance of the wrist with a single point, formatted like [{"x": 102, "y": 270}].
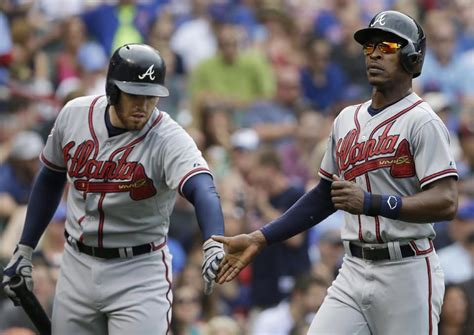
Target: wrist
[
  {"x": 258, "y": 238},
  {"x": 388, "y": 206}
]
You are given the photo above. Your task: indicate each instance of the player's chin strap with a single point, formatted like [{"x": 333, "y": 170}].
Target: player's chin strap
[{"x": 213, "y": 255}]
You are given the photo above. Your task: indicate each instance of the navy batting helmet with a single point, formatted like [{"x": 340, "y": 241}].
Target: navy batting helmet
[
  {"x": 406, "y": 28},
  {"x": 136, "y": 69}
]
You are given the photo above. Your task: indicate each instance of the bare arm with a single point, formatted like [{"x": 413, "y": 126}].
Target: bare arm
[{"x": 437, "y": 202}]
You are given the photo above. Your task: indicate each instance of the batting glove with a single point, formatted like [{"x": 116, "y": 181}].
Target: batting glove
[
  {"x": 213, "y": 255},
  {"x": 20, "y": 264}
]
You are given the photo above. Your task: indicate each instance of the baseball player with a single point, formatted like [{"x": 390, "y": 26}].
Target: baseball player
[
  {"x": 124, "y": 160},
  {"x": 389, "y": 168}
]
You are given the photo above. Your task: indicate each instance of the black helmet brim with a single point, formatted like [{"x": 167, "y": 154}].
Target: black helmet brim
[
  {"x": 148, "y": 89},
  {"x": 363, "y": 35}
]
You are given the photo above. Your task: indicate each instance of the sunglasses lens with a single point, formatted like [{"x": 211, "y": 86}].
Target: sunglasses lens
[
  {"x": 384, "y": 47},
  {"x": 368, "y": 48},
  {"x": 389, "y": 47}
]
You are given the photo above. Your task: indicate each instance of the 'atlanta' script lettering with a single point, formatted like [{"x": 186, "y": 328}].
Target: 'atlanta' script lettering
[{"x": 349, "y": 152}]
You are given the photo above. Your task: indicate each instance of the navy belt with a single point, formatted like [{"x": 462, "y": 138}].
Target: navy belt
[
  {"x": 377, "y": 253},
  {"x": 110, "y": 253}
]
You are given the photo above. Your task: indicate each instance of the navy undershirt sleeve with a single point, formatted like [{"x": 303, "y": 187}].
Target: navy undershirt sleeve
[
  {"x": 44, "y": 199},
  {"x": 201, "y": 192},
  {"x": 309, "y": 210}
]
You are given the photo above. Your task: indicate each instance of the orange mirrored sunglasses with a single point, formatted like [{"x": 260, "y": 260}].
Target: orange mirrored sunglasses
[{"x": 384, "y": 47}]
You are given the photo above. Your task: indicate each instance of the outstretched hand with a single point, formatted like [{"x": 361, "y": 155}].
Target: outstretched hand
[{"x": 240, "y": 251}]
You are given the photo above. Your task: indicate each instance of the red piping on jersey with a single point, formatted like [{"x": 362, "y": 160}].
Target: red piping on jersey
[
  {"x": 100, "y": 236},
  {"x": 376, "y": 218},
  {"x": 356, "y": 119},
  {"x": 430, "y": 291},
  {"x": 51, "y": 165},
  {"x": 137, "y": 140},
  {"x": 186, "y": 176},
  {"x": 422, "y": 252},
  {"x": 168, "y": 318},
  {"x": 396, "y": 116},
  {"x": 81, "y": 219},
  {"x": 91, "y": 126},
  {"x": 325, "y": 173},
  {"x": 437, "y": 174}
]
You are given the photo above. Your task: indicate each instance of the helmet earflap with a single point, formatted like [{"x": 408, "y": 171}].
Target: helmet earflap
[{"x": 112, "y": 93}]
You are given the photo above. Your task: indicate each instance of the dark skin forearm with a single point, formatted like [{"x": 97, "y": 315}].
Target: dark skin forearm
[{"x": 437, "y": 202}]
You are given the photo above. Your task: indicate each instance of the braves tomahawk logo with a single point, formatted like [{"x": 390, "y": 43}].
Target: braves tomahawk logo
[
  {"x": 357, "y": 158},
  {"x": 149, "y": 72},
  {"x": 380, "y": 20},
  {"x": 118, "y": 176}
]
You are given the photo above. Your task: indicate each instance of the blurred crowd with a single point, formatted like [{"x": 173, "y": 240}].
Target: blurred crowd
[{"x": 257, "y": 84}]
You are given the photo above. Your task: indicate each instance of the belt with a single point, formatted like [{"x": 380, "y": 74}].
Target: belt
[
  {"x": 378, "y": 253},
  {"x": 110, "y": 253}
]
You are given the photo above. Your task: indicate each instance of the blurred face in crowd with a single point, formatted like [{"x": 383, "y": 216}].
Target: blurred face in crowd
[
  {"x": 461, "y": 230},
  {"x": 313, "y": 298},
  {"x": 228, "y": 41},
  {"x": 442, "y": 41},
  {"x": 288, "y": 86},
  {"x": 319, "y": 55},
  {"x": 186, "y": 304},
  {"x": 74, "y": 33},
  {"x": 132, "y": 111},
  {"x": 455, "y": 306},
  {"x": 26, "y": 169}
]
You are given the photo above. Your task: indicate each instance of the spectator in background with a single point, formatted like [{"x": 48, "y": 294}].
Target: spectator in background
[
  {"x": 159, "y": 37},
  {"x": 73, "y": 37},
  {"x": 347, "y": 55},
  {"x": 5, "y": 49},
  {"x": 275, "y": 269},
  {"x": 194, "y": 40},
  {"x": 279, "y": 42},
  {"x": 455, "y": 313},
  {"x": 443, "y": 69},
  {"x": 18, "y": 172},
  {"x": 303, "y": 302},
  {"x": 232, "y": 76},
  {"x": 457, "y": 260},
  {"x": 114, "y": 25},
  {"x": 187, "y": 311},
  {"x": 323, "y": 82},
  {"x": 300, "y": 159},
  {"x": 274, "y": 120},
  {"x": 328, "y": 258},
  {"x": 222, "y": 325},
  {"x": 466, "y": 142},
  {"x": 92, "y": 65}
]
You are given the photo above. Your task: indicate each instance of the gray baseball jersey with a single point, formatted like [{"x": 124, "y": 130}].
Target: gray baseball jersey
[
  {"x": 122, "y": 188},
  {"x": 399, "y": 151}
]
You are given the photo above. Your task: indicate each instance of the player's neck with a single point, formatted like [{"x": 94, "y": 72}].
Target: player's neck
[{"x": 384, "y": 96}]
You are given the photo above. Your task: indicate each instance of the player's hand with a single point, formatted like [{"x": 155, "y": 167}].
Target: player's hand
[
  {"x": 240, "y": 251},
  {"x": 347, "y": 195},
  {"x": 20, "y": 264},
  {"x": 213, "y": 254}
]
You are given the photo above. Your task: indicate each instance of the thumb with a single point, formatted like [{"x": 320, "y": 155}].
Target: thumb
[
  {"x": 220, "y": 238},
  {"x": 335, "y": 177}
]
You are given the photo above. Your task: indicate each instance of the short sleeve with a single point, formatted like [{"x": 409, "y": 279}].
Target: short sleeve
[
  {"x": 182, "y": 160},
  {"x": 328, "y": 163},
  {"x": 52, "y": 155},
  {"x": 433, "y": 157}
]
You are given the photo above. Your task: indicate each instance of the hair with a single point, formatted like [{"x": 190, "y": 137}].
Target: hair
[{"x": 268, "y": 156}]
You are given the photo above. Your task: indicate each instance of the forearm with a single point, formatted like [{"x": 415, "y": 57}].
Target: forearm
[
  {"x": 44, "y": 199},
  {"x": 310, "y": 209},
  {"x": 436, "y": 203},
  {"x": 201, "y": 192}
]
